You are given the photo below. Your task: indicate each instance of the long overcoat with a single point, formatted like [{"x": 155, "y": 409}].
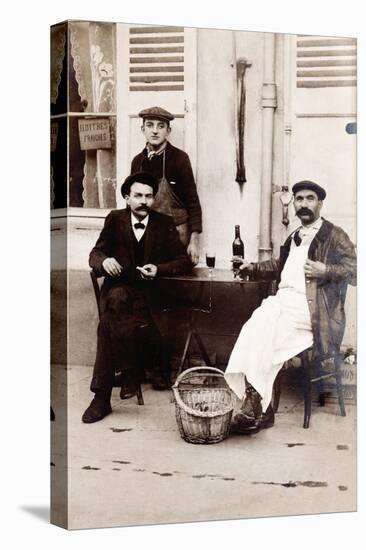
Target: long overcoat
[{"x": 325, "y": 296}]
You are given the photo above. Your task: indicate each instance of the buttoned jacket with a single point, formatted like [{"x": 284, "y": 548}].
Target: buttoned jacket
[{"x": 162, "y": 248}]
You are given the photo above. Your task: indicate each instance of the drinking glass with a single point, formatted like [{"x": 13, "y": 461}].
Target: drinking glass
[{"x": 210, "y": 260}]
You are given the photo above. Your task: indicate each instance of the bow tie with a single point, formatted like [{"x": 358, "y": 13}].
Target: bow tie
[{"x": 139, "y": 225}]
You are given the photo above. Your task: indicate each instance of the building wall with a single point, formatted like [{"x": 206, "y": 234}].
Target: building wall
[
  {"x": 224, "y": 203},
  {"x": 307, "y": 151}
]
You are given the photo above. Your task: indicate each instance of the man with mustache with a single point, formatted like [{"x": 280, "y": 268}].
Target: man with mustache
[
  {"x": 136, "y": 246},
  {"x": 316, "y": 263}
]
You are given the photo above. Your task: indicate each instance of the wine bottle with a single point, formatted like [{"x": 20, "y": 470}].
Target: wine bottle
[{"x": 238, "y": 247}]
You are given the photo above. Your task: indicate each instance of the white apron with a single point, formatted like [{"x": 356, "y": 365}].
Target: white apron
[{"x": 278, "y": 330}]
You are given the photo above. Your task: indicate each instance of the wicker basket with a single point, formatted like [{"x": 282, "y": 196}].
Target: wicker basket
[{"x": 203, "y": 405}]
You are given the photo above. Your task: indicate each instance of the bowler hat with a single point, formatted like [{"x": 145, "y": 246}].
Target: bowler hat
[
  {"x": 156, "y": 113},
  {"x": 312, "y": 186},
  {"x": 139, "y": 177}
]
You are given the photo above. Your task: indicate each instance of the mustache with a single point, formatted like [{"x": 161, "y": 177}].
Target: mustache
[
  {"x": 304, "y": 210},
  {"x": 143, "y": 208}
]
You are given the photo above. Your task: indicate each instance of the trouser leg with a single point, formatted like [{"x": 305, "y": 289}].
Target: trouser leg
[
  {"x": 128, "y": 341},
  {"x": 103, "y": 373},
  {"x": 116, "y": 345},
  {"x": 152, "y": 351}
]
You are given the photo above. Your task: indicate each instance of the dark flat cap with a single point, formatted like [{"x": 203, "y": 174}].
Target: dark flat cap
[
  {"x": 156, "y": 113},
  {"x": 139, "y": 177},
  {"x": 307, "y": 184}
]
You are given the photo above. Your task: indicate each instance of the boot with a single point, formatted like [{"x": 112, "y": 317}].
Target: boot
[
  {"x": 244, "y": 425},
  {"x": 266, "y": 419},
  {"x": 98, "y": 408},
  {"x": 246, "y": 420}
]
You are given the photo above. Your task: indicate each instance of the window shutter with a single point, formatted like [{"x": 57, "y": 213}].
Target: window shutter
[
  {"x": 324, "y": 62},
  {"x": 156, "y": 58}
]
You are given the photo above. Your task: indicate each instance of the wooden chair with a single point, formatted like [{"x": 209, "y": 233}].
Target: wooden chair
[
  {"x": 96, "y": 288},
  {"x": 314, "y": 373}
]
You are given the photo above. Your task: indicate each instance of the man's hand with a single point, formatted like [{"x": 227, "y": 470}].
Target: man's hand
[
  {"x": 193, "y": 248},
  {"x": 315, "y": 270},
  {"x": 112, "y": 267},
  {"x": 148, "y": 271},
  {"x": 244, "y": 264}
]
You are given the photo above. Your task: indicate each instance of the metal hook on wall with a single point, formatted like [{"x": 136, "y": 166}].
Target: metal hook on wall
[
  {"x": 241, "y": 65},
  {"x": 285, "y": 198}
]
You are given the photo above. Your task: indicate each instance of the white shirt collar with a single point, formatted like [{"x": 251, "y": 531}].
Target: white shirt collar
[
  {"x": 134, "y": 220},
  {"x": 308, "y": 232},
  {"x": 307, "y": 229},
  {"x": 315, "y": 225},
  {"x": 151, "y": 153},
  {"x": 139, "y": 232}
]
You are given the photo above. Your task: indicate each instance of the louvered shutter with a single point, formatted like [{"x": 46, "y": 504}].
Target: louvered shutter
[
  {"x": 156, "y": 59},
  {"x": 324, "y": 62},
  {"x": 158, "y": 67}
]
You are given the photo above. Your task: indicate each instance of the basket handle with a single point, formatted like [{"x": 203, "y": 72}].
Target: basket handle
[
  {"x": 178, "y": 398},
  {"x": 188, "y": 410},
  {"x": 195, "y": 369}
]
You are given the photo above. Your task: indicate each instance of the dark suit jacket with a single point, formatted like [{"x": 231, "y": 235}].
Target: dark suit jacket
[{"x": 162, "y": 248}]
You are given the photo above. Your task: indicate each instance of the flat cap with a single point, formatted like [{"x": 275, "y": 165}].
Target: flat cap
[
  {"x": 139, "y": 177},
  {"x": 156, "y": 113},
  {"x": 307, "y": 184}
]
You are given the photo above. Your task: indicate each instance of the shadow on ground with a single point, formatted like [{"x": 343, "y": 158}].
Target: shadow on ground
[{"x": 40, "y": 512}]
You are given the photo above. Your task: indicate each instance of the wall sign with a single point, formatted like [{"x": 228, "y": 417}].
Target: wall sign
[{"x": 94, "y": 133}]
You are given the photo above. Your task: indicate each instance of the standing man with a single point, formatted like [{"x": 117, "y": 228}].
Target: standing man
[
  {"x": 136, "y": 245},
  {"x": 177, "y": 195},
  {"x": 316, "y": 264}
]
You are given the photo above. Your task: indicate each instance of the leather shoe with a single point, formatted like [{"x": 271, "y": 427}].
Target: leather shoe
[
  {"x": 243, "y": 424},
  {"x": 97, "y": 410},
  {"x": 246, "y": 421},
  {"x": 160, "y": 382},
  {"x": 246, "y": 425},
  {"x": 128, "y": 390},
  {"x": 251, "y": 418},
  {"x": 267, "y": 418}
]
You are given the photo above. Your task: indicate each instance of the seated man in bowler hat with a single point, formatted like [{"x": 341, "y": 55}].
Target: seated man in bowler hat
[
  {"x": 177, "y": 195},
  {"x": 316, "y": 263},
  {"x": 136, "y": 245}
]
